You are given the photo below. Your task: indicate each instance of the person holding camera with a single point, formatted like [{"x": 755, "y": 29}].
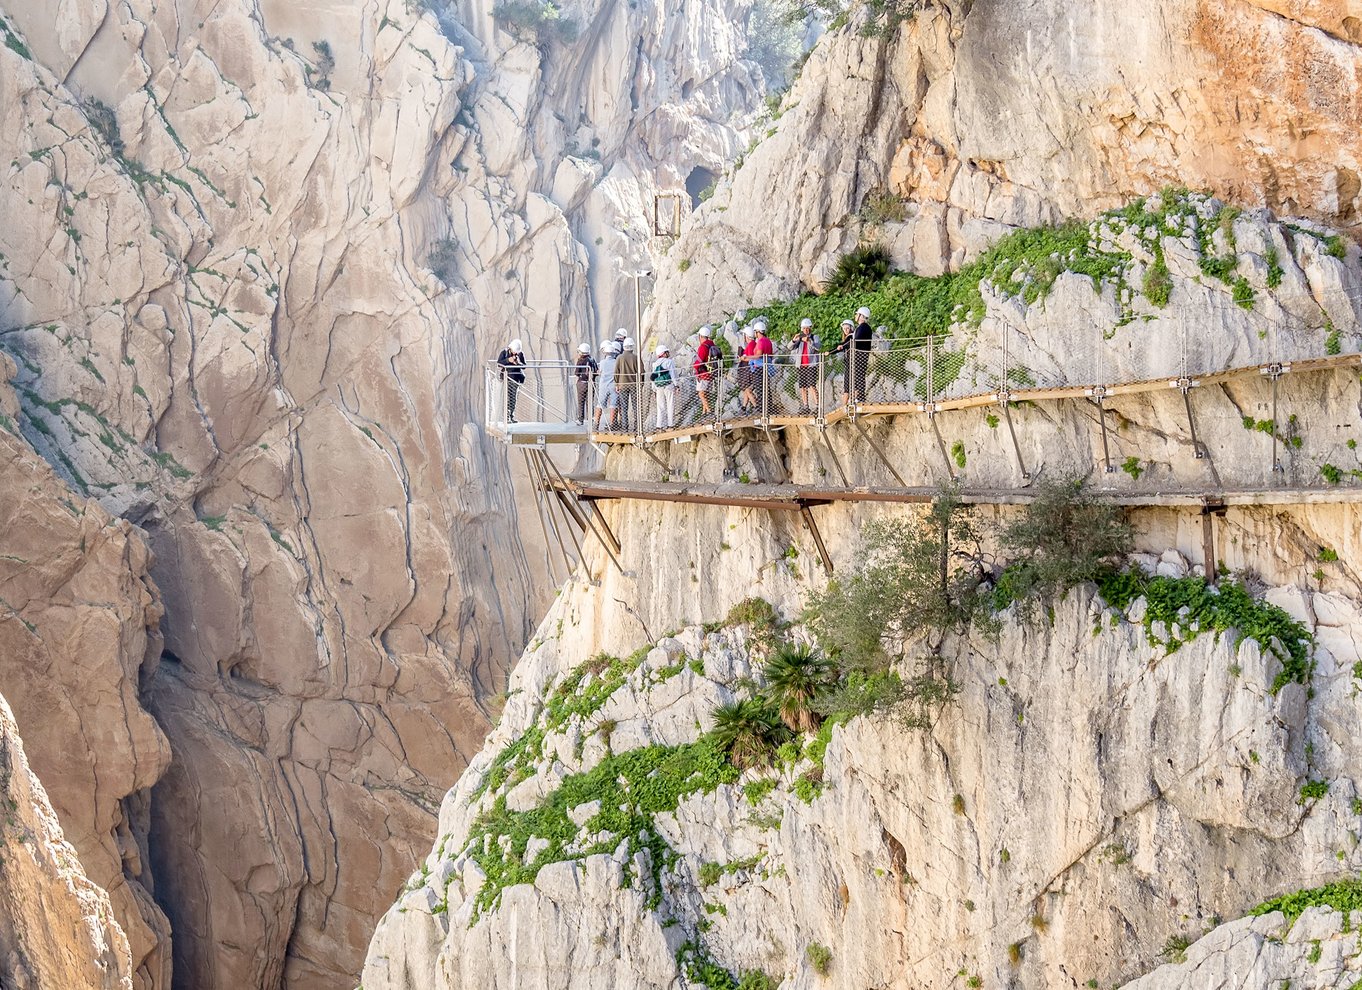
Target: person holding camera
[{"x": 805, "y": 352}]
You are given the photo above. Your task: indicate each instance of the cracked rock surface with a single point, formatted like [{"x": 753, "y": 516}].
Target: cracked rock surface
[
  {"x": 57, "y": 927},
  {"x": 253, "y": 260}
]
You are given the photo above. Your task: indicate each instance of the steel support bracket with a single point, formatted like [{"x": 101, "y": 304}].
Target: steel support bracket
[{"x": 1185, "y": 386}]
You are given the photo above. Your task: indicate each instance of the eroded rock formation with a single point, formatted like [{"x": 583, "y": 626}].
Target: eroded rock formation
[
  {"x": 57, "y": 928},
  {"x": 78, "y": 635},
  {"x": 980, "y": 117},
  {"x": 254, "y": 256}
]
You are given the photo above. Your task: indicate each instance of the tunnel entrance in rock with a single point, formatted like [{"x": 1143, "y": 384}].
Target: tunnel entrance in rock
[{"x": 699, "y": 181}]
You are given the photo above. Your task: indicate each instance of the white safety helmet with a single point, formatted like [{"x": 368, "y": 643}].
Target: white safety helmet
[
  {"x": 864, "y": 311},
  {"x": 621, "y": 334},
  {"x": 749, "y": 331},
  {"x": 847, "y": 323},
  {"x": 607, "y": 344},
  {"x": 628, "y": 343},
  {"x": 806, "y": 324},
  {"x": 661, "y": 349},
  {"x": 706, "y": 331},
  {"x": 881, "y": 329},
  {"x": 583, "y": 348},
  {"x": 515, "y": 346}
]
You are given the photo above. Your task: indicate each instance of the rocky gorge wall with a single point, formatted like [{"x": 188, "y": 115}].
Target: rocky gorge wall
[
  {"x": 982, "y": 116},
  {"x": 1089, "y": 797},
  {"x": 57, "y": 928},
  {"x": 254, "y": 257}
]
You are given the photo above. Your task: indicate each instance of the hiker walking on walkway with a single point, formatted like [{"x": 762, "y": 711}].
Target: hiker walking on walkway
[
  {"x": 663, "y": 379},
  {"x": 512, "y": 362},
  {"x": 804, "y": 353},
  {"x": 607, "y": 398},
  {"x": 706, "y": 368},
  {"x": 628, "y": 380},
  {"x": 585, "y": 372}
]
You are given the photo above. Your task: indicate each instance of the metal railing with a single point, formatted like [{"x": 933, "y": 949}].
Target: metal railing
[{"x": 1000, "y": 363}]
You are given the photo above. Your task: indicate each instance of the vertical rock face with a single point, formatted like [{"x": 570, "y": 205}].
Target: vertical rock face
[
  {"x": 78, "y": 632},
  {"x": 57, "y": 928},
  {"x": 253, "y": 259},
  {"x": 978, "y": 117}
]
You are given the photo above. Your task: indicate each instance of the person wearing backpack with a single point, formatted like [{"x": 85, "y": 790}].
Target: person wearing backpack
[
  {"x": 706, "y": 368},
  {"x": 663, "y": 380},
  {"x": 585, "y": 372}
]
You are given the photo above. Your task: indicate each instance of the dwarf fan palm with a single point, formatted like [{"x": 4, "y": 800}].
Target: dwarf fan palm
[
  {"x": 749, "y": 731},
  {"x": 795, "y": 675}
]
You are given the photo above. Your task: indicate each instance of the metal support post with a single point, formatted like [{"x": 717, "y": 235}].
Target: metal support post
[
  {"x": 823, "y": 435},
  {"x": 878, "y": 452},
  {"x": 1185, "y": 386},
  {"x": 539, "y": 510},
  {"x": 1210, "y": 508},
  {"x": 1099, "y": 395},
  {"x": 1274, "y": 372},
  {"x": 807, "y": 515},
  {"x": 1005, "y": 400}
]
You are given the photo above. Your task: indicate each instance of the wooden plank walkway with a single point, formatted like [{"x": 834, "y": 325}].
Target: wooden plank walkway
[
  {"x": 977, "y": 401},
  {"x": 796, "y": 497}
]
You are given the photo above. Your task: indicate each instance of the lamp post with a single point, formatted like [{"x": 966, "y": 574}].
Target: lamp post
[{"x": 638, "y": 277}]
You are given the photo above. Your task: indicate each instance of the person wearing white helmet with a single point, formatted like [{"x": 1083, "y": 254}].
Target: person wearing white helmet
[
  {"x": 844, "y": 347},
  {"x": 764, "y": 369},
  {"x": 629, "y": 383},
  {"x": 747, "y": 370},
  {"x": 512, "y": 362},
  {"x": 584, "y": 371},
  {"x": 708, "y": 360},
  {"x": 662, "y": 377},
  {"x": 805, "y": 355},
  {"x": 607, "y": 398}
]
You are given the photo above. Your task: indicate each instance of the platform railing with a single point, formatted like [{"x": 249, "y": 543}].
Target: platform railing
[
  {"x": 1000, "y": 364},
  {"x": 548, "y": 395}
]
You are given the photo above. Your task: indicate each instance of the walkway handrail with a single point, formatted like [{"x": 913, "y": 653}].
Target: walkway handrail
[{"x": 999, "y": 364}]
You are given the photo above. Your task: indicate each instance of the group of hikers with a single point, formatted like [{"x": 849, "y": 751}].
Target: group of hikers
[{"x": 618, "y": 378}]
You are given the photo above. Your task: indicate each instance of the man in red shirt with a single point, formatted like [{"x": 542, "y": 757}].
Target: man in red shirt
[{"x": 764, "y": 353}]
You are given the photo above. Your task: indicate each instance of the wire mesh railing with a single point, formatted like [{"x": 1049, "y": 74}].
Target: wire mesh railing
[{"x": 1001, "y": 361}]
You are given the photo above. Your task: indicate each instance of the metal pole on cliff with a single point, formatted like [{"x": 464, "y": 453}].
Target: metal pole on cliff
[{"x": 638, "y": 303}]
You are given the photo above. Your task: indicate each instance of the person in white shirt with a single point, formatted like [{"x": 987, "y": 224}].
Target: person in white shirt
[{"x": 662, "y": 377}]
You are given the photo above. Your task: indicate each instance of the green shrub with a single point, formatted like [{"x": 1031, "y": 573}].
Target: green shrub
[
  {"x": 534, "y": 20},
  {"x": 1313, "y": 790},
  {"x": 1175, "y": 949},
  {"x": 820, "y": 958},
  {"x": 1158, "y": 281},
  {"x": 1064, "y": 538},
  {"x": 1243, "y": 293},
  {"x": 1344, "y": 896},
  {"x": 883, "y": 207},
  {"x": 858, "y": 270},
  {"x": 749, "y": 731}
]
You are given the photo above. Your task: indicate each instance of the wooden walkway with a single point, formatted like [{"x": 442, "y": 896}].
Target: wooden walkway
[
  {"x": 795, "y": 497},
  {"x": 976, "y": 401}
]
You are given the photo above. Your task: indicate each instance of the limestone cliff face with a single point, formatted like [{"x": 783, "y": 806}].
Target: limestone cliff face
[
  {"x": 253, "y": 257},
  {"x": 993, "y": 114},
  {"x": 1088, "y": 798},
  {"x": 78, "y": 635},
  {"x": 57, "y": 928}
]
